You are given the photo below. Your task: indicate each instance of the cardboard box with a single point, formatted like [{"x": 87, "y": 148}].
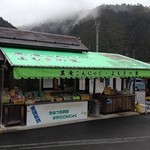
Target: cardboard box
[
  {"x": 85, "y": 97},
  {"x": 58, "y": 99},
  {"x": 19, "y": 101},
  {"x": 107, "y": 90}
]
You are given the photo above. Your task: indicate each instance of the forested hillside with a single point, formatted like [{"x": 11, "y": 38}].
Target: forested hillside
[
  {"x": 6, "y": 24},
  {"x": 124, "y": 29}
]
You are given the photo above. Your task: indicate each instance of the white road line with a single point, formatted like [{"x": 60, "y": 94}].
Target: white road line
[{"x": 76, "y": 143}]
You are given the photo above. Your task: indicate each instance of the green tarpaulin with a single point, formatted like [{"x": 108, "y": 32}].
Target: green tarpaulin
[
  {"x": 76, "y": 73},
  {"x": 28, "y": 63}
]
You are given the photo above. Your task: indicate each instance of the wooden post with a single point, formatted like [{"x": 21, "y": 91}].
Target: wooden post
[
  {"x": 114, "y": 83},
  {"x": 87, "y": 85},
  {"x": 77, "y": 84},
  {"x": 1, "y": 72},
  {"x": 62, "y": 84},
  {"x": 146, "y": 90},
  {"x": 74, "y": 85},
  {"x": 133, "y": 86},
  {"x": 1, "y": 90},
  {"x": 122, "y": 84},
  {"x": 55, "y": 84},
  {"x": 94, "y": 86},
  {"x": 40, "y": 85}
]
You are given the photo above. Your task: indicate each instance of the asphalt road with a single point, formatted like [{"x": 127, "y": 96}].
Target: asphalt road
[{"x": 109, "y": 134}]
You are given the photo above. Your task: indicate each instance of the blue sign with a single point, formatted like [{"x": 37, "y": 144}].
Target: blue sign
[{"x": 35, "y": 114}]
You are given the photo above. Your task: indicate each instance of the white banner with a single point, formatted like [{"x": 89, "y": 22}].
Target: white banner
[{"x": 56, "y": 112}]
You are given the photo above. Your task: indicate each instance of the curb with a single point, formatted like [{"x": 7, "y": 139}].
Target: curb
[
  {"x": 90, "y": 118},
  {"x": 2, "y": 129}
]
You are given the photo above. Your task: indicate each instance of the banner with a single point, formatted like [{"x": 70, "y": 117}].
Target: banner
[{"x": 56, "y": 112}]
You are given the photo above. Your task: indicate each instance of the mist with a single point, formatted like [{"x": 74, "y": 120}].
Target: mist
[{"x": 25, "y": 12}]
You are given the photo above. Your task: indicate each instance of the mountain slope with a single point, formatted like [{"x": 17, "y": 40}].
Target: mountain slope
[
  {"x": 5, "y": 24},
  {"x": 124, "y": 29}
]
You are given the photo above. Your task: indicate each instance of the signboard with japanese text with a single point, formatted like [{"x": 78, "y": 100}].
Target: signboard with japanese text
[
  {"x": 56, "y": 112},
  {"x": 76, "y": 73},
  {"x": 28, "y": 63}
]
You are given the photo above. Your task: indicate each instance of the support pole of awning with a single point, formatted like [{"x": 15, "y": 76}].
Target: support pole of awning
[
  {"x": 1, "y": 90},
  {"x": 133, "y": 86},
  {"x": 94, "y": 86},
  {"x": 146, "y": 90},
  {"x": 122, "y": 83},
  {"x": 87, "y": 86},
  {"x": 114, "y": 83},
  {"x": 40, "y": 85},
  {"x": 1, "y": 94}
]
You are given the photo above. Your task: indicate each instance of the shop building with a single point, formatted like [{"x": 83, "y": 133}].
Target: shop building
[{"x": 48, "y": 78}]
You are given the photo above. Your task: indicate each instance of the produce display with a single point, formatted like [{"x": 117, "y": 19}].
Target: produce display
[{"x": 17, "y": 96}]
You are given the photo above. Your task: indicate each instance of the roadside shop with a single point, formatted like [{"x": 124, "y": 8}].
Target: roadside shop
[{"x": 42, "y": 86}]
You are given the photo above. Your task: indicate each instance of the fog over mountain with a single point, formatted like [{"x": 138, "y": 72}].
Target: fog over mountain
[
  {"x": 26, "y": 12},
  {"x": 124, "y": 29},
  {"x": 60, "y": 22}
]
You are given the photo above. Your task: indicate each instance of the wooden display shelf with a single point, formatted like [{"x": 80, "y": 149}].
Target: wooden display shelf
[
  {"x": 117, "y": 103},
  {"x": 13, "y": 114}
]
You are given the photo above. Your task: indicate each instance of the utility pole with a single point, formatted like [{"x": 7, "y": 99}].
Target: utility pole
[
  {"x": 97, "y": 25},
  {"x": 133, "y": 53}
]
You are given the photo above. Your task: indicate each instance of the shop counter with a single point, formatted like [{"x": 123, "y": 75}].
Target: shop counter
[
  {"x": 54, "y": 112},
  {"x": 117, "y": 103},
  {"x": 13, "y": 114}
]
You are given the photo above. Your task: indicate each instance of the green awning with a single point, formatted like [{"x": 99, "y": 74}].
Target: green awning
[
  {"x": 23, "y": 72},
  {"x": 29, "y": 63}
]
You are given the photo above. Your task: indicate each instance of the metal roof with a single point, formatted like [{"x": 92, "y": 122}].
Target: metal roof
[
  {"x": 28, "y": 63},
  {"x": 41, "y": 58},
  {"x": 38, "y": 40}
]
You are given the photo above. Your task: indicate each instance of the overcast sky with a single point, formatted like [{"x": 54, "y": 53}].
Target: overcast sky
[{"x": 23, "y": 12}]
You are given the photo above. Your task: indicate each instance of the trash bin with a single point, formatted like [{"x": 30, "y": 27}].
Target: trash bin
[{"x": 95, "y": 108}]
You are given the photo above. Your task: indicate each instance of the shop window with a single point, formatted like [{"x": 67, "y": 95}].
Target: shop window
[
  {"x": 67, "y": 84},
  {"x": 47, "y": 83},
  {"x": 27, "y": 84},
  {"x": 82, "y": 84},
  {"x": 53, "y": 84},
  {"x": 107, "y": 82},
  {"x": 101, "y": 80},
  {"x": 33, "y": 84}
]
